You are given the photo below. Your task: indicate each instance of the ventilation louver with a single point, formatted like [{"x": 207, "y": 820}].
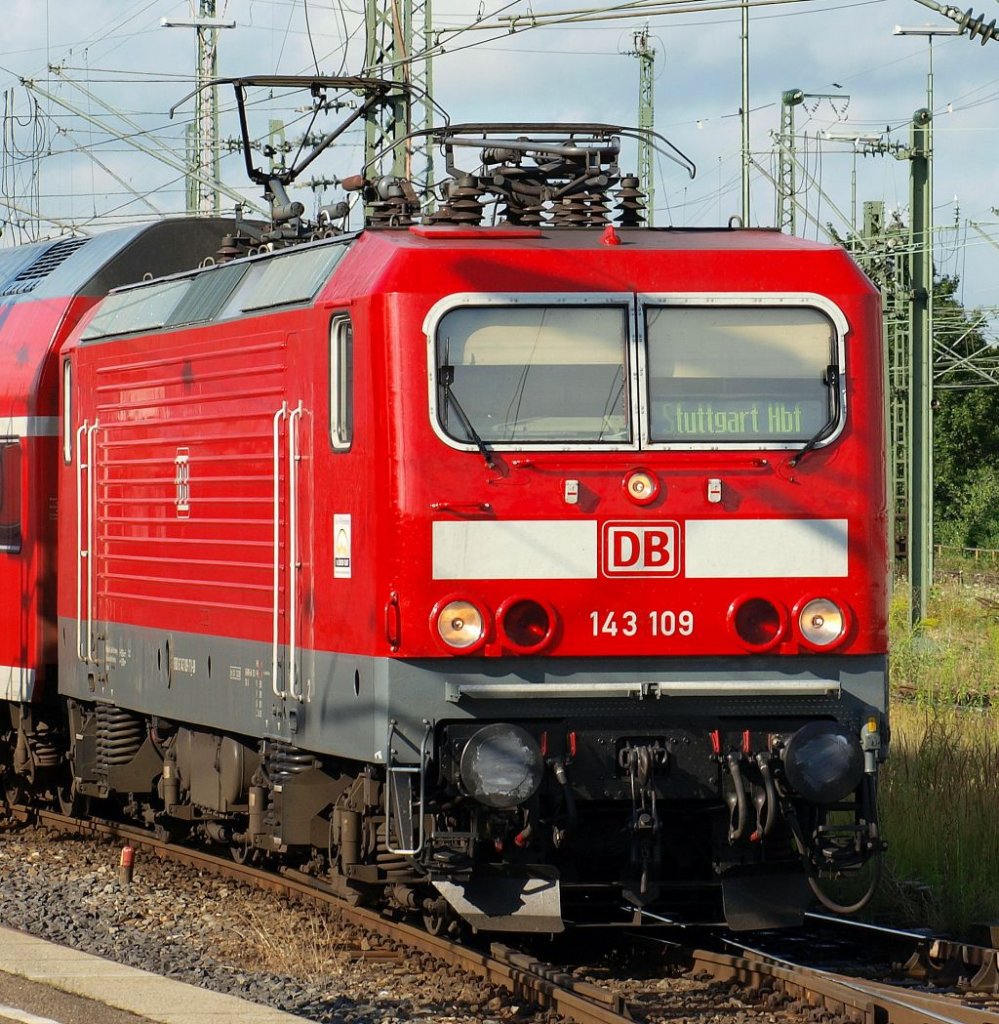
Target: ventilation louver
[{"x": 52, "y": 258}]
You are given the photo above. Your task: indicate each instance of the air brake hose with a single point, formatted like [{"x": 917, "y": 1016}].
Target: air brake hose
[
  {"x": 852, "y": 908},
  {"x": 771, "y": 794},
  {"x": 811, "y": 874},
  {"x": 735, "y": 831},
  {"x": 570, "y": 801}
]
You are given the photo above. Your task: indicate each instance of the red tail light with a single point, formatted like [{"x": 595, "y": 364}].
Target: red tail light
[
  {"x": 759, "y": 623},
  {"x": 527, "y": 625}
]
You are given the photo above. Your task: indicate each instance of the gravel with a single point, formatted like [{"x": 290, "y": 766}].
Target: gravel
[
  {"x": 181, "y": 923},
  {"x": 207, "y": 931}
]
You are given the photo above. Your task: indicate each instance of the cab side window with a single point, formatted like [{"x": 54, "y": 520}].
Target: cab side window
[{"x": 341, "y": 383}]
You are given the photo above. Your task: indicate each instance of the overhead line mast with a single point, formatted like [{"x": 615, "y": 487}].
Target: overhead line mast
[
  {"x": 646, "y": 117},
  {"x": 203, "y": 188},
  {"x": 387, "y": 50},
  {"x": 398, "y": 44}
]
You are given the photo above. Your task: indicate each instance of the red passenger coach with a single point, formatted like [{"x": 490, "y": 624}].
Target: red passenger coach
[
  {"x": 44, "y": 289},
  {"x": 519, "y": 574}
]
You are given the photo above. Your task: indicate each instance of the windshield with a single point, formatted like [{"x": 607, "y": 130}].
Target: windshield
[
  {"x": 705, "y": 372},
  {"x": 739, "y": 373},
  {"x": 541, "y": 374}
]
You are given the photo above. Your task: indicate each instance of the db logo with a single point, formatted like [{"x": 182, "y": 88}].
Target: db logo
[{"x": 637, "y": 549}]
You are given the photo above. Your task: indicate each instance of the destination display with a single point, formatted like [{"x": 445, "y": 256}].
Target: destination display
[
  {"x": 739, "y": 373},
  {"x": 735, "y": 419}
]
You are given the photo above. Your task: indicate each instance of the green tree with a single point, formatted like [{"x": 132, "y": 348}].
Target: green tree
[{"x": 965, "y": 429}]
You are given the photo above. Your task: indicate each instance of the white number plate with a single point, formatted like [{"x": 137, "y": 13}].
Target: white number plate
[{"x": 655, "y": 623}]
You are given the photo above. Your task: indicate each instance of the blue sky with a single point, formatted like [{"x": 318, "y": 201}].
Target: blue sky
[{"x": 118, "y": 65}]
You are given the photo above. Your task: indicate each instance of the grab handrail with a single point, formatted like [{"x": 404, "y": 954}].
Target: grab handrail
[
  {"x": 81, "y": 551},
  {"x": 85, "y": 654},
  {"x": 278, "y": 416},
  {"x": 293, "y": 456}
]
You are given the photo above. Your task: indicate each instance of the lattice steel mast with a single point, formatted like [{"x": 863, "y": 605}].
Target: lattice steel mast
[
  {"x": 646, "y": 117},
  {"x": 203, "y": 191},
  {"x": 398, "y": 37}
]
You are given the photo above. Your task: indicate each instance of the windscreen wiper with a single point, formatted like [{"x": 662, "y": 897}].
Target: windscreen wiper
[
  {"x": 445, "y": 373},
  {"x": 831, "y": 380}
]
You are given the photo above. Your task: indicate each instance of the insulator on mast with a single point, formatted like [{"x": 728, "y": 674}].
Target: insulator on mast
[{"x": 977, "y": 26}]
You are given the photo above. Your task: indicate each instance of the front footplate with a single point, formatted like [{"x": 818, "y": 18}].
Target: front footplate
[
  {"x": 759, "y": 898},
  {"x": 493, "y": 902}
]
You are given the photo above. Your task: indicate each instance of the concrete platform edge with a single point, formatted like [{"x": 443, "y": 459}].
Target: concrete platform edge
[{"x": 143, "y": 993}]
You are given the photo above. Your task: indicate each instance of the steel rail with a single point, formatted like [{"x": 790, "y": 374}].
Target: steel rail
[
  {"x": 861, "y": 1001},
  {"x": 929, "y": 957},
  {"x": 550, "y": 987},
  {"x": 524, "y": 977}
]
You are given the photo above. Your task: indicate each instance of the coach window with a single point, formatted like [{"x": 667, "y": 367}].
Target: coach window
[
  {"x": 727, "y": 374},
  {"x": 534, "y": 374},
  {"x": 341, "y": 383},
  {"x": 10, "y": 494}
]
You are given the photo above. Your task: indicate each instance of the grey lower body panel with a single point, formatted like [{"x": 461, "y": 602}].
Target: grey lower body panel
[{"x": 349, "y": 702}]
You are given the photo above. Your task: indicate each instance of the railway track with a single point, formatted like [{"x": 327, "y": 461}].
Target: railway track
[
  {"x": 764, "y": 979},
  {"x": 838, "y": 997}
]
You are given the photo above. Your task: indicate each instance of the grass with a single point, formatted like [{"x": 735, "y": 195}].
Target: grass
[
  {"x": 313, "y": 949},
  {"x": 940, "y": 788},
  {"x": 940, "y": 813},
  {"x": 952, "y": 657}
]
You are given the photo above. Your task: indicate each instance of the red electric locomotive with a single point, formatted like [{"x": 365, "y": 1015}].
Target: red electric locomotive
[{"x": 528, "y": 573}]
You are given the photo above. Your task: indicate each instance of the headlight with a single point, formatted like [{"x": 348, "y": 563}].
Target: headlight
[
  {"x": 460, "y": 625},
  {"x": 821, "y": 622},
  {"x": 823, "y": 762},
  {"x": 501, "y": 765},
  {"x": 641, "y": 486}
]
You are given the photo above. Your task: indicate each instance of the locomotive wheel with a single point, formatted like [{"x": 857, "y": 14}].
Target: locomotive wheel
[
  {"x": 14, "y": 790},
  {"x": 441, "y": 923},
  {"x": 242, "y": 853},
  {"x": 434, "y": 923},
  {"x": 71, "y": 802}
]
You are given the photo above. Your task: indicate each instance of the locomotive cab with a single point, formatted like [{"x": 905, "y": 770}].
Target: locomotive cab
[{"x": 642, "y": 553}]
